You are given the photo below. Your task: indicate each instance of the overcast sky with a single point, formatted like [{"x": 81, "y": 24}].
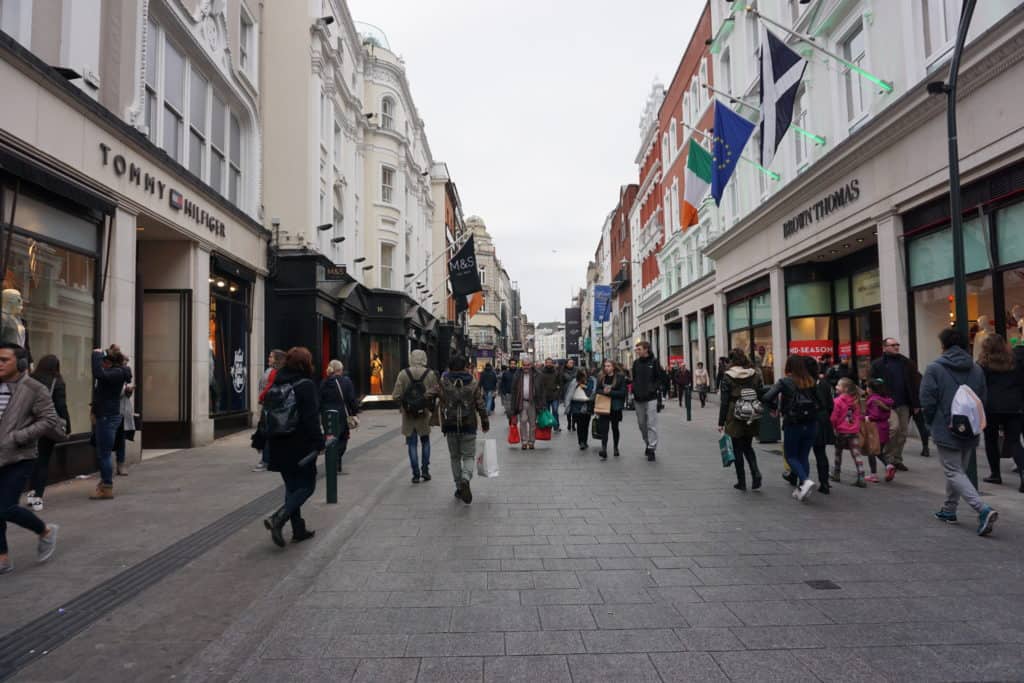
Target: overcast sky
[{"x": 535, "y": 107}]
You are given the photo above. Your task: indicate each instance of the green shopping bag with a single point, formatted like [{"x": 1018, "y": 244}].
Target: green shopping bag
[
  {"x": 725, "y": 446},
  {"x": 545, "y": 419}
]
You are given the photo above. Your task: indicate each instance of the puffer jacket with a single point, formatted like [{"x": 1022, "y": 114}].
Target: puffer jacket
[
  {"x": 846, "y": 415},
  {"x": 1005, "y": 391},
  {"x": 941, "y": 381},
  {"x": 734, "y": 380},
  {"x": 29, "y": 416}
]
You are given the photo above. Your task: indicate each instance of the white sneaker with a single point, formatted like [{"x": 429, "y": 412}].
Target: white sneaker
[
  {"x": 796, "y": 493},
  {"x": 36, "y": 504},
  {"x": 805, "y": 489}
]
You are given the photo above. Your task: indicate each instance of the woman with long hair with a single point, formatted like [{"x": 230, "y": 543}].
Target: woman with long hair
[
  {"x": 739, "y": 417},
  {"x": 799, "y": 408},
  {"x": 581, "y": 395},
  {"x": 1004, "y": 401},
  {"x": 612, "y": 384},
  {"x": 47, "y": 373},
  {"x": 293, "y": 453},
  {"x": 825, "y": 435}
]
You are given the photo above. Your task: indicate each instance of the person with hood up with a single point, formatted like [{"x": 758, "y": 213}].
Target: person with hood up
[
  {"x": 743, "y": 424},
  {"x": 461, "y": 402},
  {"x": 489, "y": 385},
  {"x": 1004, "y": 380},
  {"x": 942, "y": 380},
  {"x": 415, "y": 391},
  {"x": 528, "y": 399}
]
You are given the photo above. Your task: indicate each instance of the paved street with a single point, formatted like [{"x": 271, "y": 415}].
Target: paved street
[{"x": 563, "y": 568}]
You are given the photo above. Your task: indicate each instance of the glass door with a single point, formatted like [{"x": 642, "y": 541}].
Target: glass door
[{"x": 868, "y": 343}]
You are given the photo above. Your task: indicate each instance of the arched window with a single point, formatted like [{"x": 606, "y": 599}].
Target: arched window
[
  {"x": 387, "y": 113},
  {"x": 664, "y": 149},
  {"x": 672, "y": 146}
]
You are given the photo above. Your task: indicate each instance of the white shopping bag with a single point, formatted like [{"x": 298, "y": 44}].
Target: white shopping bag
[{"x": 487, "y": 459}]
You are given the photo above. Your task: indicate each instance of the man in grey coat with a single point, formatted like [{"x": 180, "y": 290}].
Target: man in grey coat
[
  {"x": 943, "y": 378},
  {"x": 26, "y": 414}
]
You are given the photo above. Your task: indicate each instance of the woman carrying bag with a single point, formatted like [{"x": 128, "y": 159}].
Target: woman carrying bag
[
  {"x": 580, "y": 406},
  {"x": 799, "y": 420},
  {"x": 609, "y": 402},
  {"x": 338, "y": 393}
]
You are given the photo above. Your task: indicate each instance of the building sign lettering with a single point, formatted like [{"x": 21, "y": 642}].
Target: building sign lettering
[
  {"x": 830, "y": 203},
  {"x": 157, "y": 188}
]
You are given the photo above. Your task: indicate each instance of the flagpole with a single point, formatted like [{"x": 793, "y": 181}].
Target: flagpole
[
  {"x": 768, "y": 172},
  {"x": 886, "y": 86},
  {"x": 817, "y": 139}
]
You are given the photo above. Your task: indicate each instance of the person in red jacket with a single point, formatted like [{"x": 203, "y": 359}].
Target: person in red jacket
[{"x": 846, "y": 417}]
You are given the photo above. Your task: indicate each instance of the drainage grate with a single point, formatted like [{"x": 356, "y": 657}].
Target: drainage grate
[
  {"x": 823, "y": 585},
  {"x": 21, "y": 647}
]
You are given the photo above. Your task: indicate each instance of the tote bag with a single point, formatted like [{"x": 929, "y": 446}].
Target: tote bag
[{"x": 602, "y": 404}]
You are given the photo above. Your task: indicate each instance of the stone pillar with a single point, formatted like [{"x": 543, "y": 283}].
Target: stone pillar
[
  {"x": 892, "y": 277},
  {"x": 702, "y": 342},
  {"x": 257, "y": 350},
  {"x": 722, "y": 326},
  {"x": 202, "y": 425},
  {"x": 117, "y": 325},
  {"x": 777, "y": 283},
  {"x": 663, "y": 344}
]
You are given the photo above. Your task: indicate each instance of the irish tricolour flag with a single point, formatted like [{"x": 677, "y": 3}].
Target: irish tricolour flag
[{"x": 697, "y": 181}]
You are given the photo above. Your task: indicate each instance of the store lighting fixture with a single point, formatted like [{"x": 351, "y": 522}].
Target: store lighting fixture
[
  {"x": 833, "y": 251},
  {"x": 232, "y": 289},
  {"x": 860, "y": 240},
  {"x": 846, "y": 246},
  {"x": 211, "y": 280},
  {"x": 221, "y": 284}
]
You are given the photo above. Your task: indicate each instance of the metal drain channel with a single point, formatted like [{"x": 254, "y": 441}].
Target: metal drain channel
[{"x": 21, "y": 647}]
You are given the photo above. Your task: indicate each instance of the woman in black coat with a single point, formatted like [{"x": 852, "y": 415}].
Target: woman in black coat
[
  {"x": 47, "y": 373},
  {"x": 1004, "y": 402},
  {"x": 294, "y": 454},
  {"x": 825, "y": 435},
  {"x": 338, "y": 393}
]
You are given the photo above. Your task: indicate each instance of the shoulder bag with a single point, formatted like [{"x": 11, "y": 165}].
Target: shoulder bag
[{"x": 351, "y": 420}]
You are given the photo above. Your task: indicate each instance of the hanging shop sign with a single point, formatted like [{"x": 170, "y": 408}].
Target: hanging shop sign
[
  {"x": 830, "y": 203},
  {"x": 335, "y": 272}
]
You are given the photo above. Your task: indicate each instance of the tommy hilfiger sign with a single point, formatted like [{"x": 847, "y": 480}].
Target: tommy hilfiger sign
[
  {"x": 847, "y": 194},
  {"x": 151, "y": 184}
]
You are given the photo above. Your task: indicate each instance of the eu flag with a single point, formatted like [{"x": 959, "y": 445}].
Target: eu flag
[{"x": 731, "y": 134}]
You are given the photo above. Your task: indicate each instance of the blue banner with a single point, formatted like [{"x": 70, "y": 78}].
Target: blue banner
[{"x": 602, "y": 303}]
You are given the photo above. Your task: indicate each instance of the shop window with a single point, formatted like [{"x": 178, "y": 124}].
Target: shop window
[
  {"x": 867, "y": 289},
  {"x": 931, "y": 256},
  {"x": 387, "y": 258},
  {"x": 761, "y": 308},
  {"x": 934, "y": 310},
  {"x": 1010, "y": 233},
  {"x": 813, "y": 328},
  {"x": 810, "y": 298},
  {"x": 739, "y": 315},
  {"x": 1013, "y": 295},
  {"x": 763, "y": 354},
  {"x": 229, "y": 345},
  {"x": 842, "y": 290},
  {"x": 385, "y": 363}
]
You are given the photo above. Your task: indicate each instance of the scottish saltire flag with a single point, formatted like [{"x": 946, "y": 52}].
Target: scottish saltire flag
[
  {"x": 732, "y": 132},
  {"x": 781, "y": 71}
]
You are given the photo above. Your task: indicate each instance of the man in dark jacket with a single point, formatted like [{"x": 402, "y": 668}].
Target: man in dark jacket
[
  {"x": 682, "y": 379},
  {"x": 461, "y": 402},
  {"x": 528, "y": 399},
  {"x": 489, "y": 385},
  {"x": 109, "y": 377},
  {"x": 551, "y": 379},
  {"x": 649, "y": 380},
  {"x": 505, "y": 388},
  {"x": 942, "y": 380},
  {"x": 903, "y": 381}
]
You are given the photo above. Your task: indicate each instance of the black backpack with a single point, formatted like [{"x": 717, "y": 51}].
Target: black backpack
[
  {"x": 459, "y": 403},
  {"x": 414, "y": 399},
  {"x": 804, "y": 407},
  {"x": 281, "y": 411}
]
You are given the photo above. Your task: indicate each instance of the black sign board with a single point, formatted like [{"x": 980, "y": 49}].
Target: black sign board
[
  {"x": 573, "y": 331},
  {"x": 335, "y": 272},
  {"x": 463, "y": 272}
]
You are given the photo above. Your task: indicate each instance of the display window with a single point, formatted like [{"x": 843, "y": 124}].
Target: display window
[
  {"x": 694, "y": 356},
  {"x": 750, "y": 329},
  {"x": 935, "y": 310},
  {"x": 385, "y": 363},
  {"x": 229, "y": 345},
  {"x": 710, "y": 348}
]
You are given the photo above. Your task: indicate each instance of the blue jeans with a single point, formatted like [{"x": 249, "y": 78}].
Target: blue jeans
[
  {"x": 798, "y": 439},
  {"x": 414, "y": 460},
  {"x": 553, "y": 407},
  {"x": 489, "y": 401},
  {"x": 106, "y": 433},
  {"x": 13, "y": 478},
  {"x": 299, "y": 485}
]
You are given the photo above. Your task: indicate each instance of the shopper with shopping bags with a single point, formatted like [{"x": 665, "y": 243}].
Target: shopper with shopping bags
[
  {"x": 580, "y": 406},
  {"x": 609, "y": 401}
]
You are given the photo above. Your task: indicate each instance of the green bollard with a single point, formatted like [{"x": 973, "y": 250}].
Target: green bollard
[
  {"x": 687, "y": 401},
  {"x": 332, "y": 427}
]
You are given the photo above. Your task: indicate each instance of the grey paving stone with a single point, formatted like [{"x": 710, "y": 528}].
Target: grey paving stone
[
  {"x": 596, "y": 550},
  {"x": 675, "y": 577},
  {"x": 521, "y": 565},
  {"x": 474, "y": 619},
  {"x": 455, "y": 645},
  {"x": 543, "y": 643},
  {"x": 637, "y": 616},
  {"x": 625, "y": 578},
  {"x": 837, "y": 664},
  {"x": 458, "y": 580},
  {"x": 361, "y": 646},
  {"x": 778, "y": 637},
  {"x": 295, "y": 648},
  {"x": 391, "y": 670},
  {"x": 546, "y": 669},
  {"x": 673, "y": 562},
  {"x": 982, "y": 662},
  {"x": 756, "y": 593},
  {"x": 496, "y": 597},
  {"x": 686, "y": 667},
  {"x": 281, "y": 671},
  {"x": 451, "y": 670},
  {"x": 623, "y": 596},
  {"x": 674, "y": 594},
  {"x": 555, "y": 579},
  {"x": 424, "y": 598},
  {"x": 566, "y": 617},
  {"x": 394, "y": 620},
  {"x": 771, "y": 666},
  {"x": 643, "y": 563},
  {"x": 632, "y": 640},
  {"x": 650, "y": 550},
  {"x": 778, "y": 613},
  {"x": 509, "y": 580},
  {"x": 708, "y": 639},
  {"x": 561, "y": 596},
  {"x": 613, "y": 668},
  {"x": 570, "y": 564},
  {"x": 862, "y": 611},
  {"x": 914, "y": 663},
  {"x": 345, "y": 598},
  {"x": 707, "y": 614},
  {"x": 729, "y": 561}
]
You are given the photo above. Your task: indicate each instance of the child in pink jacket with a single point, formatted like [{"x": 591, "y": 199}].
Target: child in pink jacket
[
  {"x": 879, "y": 406},
  {"x": 846, "y": 417}
]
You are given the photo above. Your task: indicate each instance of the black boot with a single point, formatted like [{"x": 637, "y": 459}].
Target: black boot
[
  {"x": 274, "y": 524},
  {"x": 741, "y": 481},
  {"x": 426, "y": 473},
  {"x": 755, "y": 484}
]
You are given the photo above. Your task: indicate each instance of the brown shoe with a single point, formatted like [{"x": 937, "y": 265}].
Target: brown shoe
[
  {"x": 103, "y": 492},
  {"x": 525, "y": 446},
  {"x": 531, "y": 447}
]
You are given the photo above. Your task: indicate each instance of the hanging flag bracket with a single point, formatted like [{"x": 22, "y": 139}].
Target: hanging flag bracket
[{"x": 819, "y": 140}]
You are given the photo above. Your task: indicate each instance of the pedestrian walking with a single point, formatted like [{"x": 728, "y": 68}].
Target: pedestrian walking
[
  {"x": 825, "y": 435},
  {"x": 739, "y": 415},
  {"x": 1004, "y": 381},
  {"x": 568, "y": 384},
  {"x": 126, "y": 430},
  {"x": 47, "y": 373},
  {"x": 291, "y": 414},
  {"x": 947, "y": 404},
  {"x": 26, "y": 415},
  {"x": 580, "y": 406},
  {"x": 723, "y": 365},
  {"x": 551, "y": 380},
  {"x": 649, "y": 380},
  {"x": 275, "y": 359},
  {"x": 508, "y": 376},
  {"x": 799, "y": 407},
  {"x": 528, "y": 399},
  {"x": 611, "y": 384},
  {"x": 846, "y": 418},
  {"x": 462, "y": 402},
  {"x": 703, "y": 383},
  {"x": 338, "y": 393},
  {"x": 489, "y": 384},
  {"x": 415, "y": 391},
  {"x": 109, "y": 378},
  {"x": 879, "y": 407},
  {"x": 682, "y": 379},
  {"x": 903, "y": 380}
]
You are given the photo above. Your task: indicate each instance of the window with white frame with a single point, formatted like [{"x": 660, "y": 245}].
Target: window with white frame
[
  {"x": 152, "y": 45},
  {"x": 732, "y": 202},
  {"x": 694, "y": 100},
  {"x": 198, "y": 88},
  {"x": 218, "y": 144},
  {"x": 664, "y": 150},
  {"x": 673, "y": 146},
  {"x": 387, "y": 184},
  {"x": 338, "y": 212},
  {"x": 325, "y": 207},
  {"x": 705, "y": 95},
  {"x": 16, "y": 20},
  {"x": 794, "y": 10},
  {"x": 235, "y": 159},
  {"x": 174, "y": 100},
  {"x": 762, "y": 177},
  {"x": 483, "y": 277},
  {"x": 676, "y": 206},
  {"x": 940, "y": 19},
  {"x": 325, "y": 118},
  {"x": 801, "y": 144},
  {"x": 387, "y": 257},
  {"x": 753, "y": 34},
  {"x": 854, "y": 51},
  {"x": 725, "y": 64},
  {"x": 387, "y": 113},
  {"x": 247, "y": 43},
  {"x": 337, "y": 141}
]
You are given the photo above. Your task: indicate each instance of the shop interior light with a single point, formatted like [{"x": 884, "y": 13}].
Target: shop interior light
[
  {"x": 232, "y": 289},
  {"x": 846, "y": 246},
  {"x": 221, "y": 283},
  {"x": 211, "y": 280},
  {"x": 860, "y": 240},
  {"x": 833, "y": 251}
]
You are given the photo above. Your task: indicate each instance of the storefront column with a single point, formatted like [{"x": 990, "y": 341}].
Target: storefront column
[
  {"x": 690, "y": 362},
  {"x": 118, "y": 311},
  {"x": 202, "y": 425},
  {"x": 663, "y": 344},
  {"x": 777, "y": 293},
  {"x": 722, "y": 325},
  {"x": 893, "y": 279},
  {"x": 702, "y": 342},
  {"x": 257, "y": 351}
]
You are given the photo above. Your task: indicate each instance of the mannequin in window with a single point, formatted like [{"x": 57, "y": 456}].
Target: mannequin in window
[
  {"x": 376, "y": 375},
  {"x": 979, "y": 337},
  {"x": 12, "y": 328}
]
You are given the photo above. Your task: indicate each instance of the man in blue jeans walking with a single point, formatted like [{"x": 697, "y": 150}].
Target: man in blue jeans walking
[
  {"x": 416, "y": 391},
  {"x": 109, "y": 375}
]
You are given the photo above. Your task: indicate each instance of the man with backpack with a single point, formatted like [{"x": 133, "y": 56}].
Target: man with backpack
[
  {"x": 415, "y": 391},
  {"x": 952, "y": 398},
  {"x": 462, "y": 401}
]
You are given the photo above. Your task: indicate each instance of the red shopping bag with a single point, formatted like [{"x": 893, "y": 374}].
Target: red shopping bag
[
  {"x": 543, "y": 433},
  {"x": 513, "y": 433}
]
